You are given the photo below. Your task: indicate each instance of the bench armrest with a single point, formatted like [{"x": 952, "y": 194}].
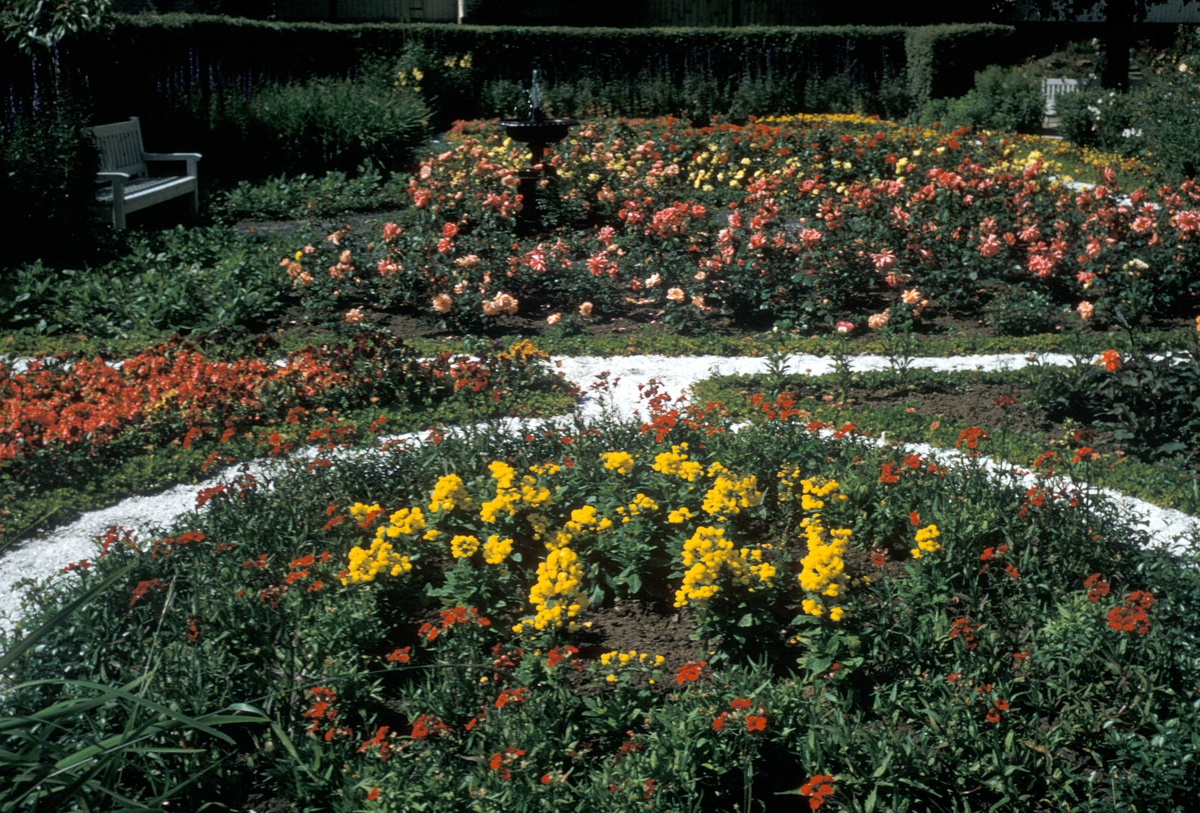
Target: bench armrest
[
  {"x": 190, "y": 157},
  {"x": 113, "y": 177}
]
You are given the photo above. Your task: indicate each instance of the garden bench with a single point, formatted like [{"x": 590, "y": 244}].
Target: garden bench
[{"x": 130, "y": 187}]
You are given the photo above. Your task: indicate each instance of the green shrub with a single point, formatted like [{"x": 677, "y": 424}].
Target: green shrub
[
  {"x": 284, "y": 197},
  {"x": 48, "y": 164},
  {"x": 1018, "y": 311},
  {"x": 336, "y": 124},
  {"x": 1006, "y": 99},
  {"x": 1107, "y": 120}
]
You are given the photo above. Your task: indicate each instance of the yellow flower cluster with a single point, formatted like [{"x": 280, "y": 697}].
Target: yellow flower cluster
[
  {"x": 448, "y": 494},
  {"x": 707, "y": 555},
  {"x": 680, "y": 515},
  {"x": 359, "y": 511},
  {"x": 458, "y": 62},
  {"x": 508, "y": 495},
  {"x": 621, "y": 462},
  {"x": 641, "y": 504},
  {"x": 823, "y": 570},
  {"x": 927, "y": 541},
  {"x": 558, "y": 594},
  {"x": 617, "y": 660},
  {"x": 676, "y": 462},
  {"x": 406, "y": 521},
  {"x": 522, "y": 352},
  {"x": 366, "y": 564},
  {"x": 583, "y": 520},
  {"x": 461, "y": 546},
  {"x": 728, "y": 497},
  {"x": 496, "y": 550},
  {"x": 813, "y": 490}
]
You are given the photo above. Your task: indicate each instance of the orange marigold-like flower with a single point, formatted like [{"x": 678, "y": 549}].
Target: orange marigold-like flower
[
  {"x": 1111, "y": 360},
  {"x": 690, "y": 671},
  {"x": 817, "y": 790}
]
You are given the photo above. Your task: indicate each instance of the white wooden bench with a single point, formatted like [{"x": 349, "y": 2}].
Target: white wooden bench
[{"x": 123, "y": 167}]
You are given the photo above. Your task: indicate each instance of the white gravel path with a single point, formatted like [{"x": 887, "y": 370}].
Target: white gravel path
[{"x": 46, "y": 555}]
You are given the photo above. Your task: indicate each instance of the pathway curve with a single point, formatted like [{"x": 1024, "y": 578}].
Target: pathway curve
[{"x": 46, "y": 555}]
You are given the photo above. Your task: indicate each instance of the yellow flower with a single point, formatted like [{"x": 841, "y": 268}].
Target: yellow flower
[
  {"x": 496, "y": 550},
  {"x": 927, "y": 541},
  {"x": 621, "y": 462},
  {"x": 448, "y": 494},
  {"x": 462, "y": 547}
]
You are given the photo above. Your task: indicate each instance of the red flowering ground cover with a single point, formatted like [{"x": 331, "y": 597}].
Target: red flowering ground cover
[{"x": 60, "y": 420}]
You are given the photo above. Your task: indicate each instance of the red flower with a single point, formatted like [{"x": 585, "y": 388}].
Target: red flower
[
  {"x": 1097, "y": 587},
  {"x": 817, "y": 789},
  {"x": 718, "y": 722},
  {"x": 993, "y": 716},
  {"x": 399, "y": 655},
  {"x": 878, "y": 557},
  {"x": 740, "y": 704},
  {"x": 756, "y": 723},
  {"x": 690, "y": 671},
  {"x": 886, "y": 474},
  {"x": 373, "y": 795},
  {"x": 971, "y": 437},
  {"x": 914, "y": 518}
]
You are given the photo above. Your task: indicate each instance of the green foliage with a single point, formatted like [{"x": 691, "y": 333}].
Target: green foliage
[
  {"x": 1022, "y": 311},
  {"x": 35, "y": 24},
  {"x": 241, "y": 604},
  {"x": 1106, "y": 120},
  {"x": 48, "y": 164},
  {"x": 296, "y": 197},
  {"x": 1007, "y": 99}
]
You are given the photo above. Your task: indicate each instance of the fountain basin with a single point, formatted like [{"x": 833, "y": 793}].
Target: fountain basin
[{"x": 546, "y": 131}]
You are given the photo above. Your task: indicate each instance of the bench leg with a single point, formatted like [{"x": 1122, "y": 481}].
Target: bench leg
[
  {"x": 196, "y": 204},
  {"x": 119, "y": 212}
]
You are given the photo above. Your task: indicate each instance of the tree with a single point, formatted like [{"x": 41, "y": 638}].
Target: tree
[
  {"x": 42, "y": 23},
  {"x": 1119, "y": 17}
]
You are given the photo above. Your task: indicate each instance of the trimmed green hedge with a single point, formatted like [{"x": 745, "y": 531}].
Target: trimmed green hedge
[{"x": 148, "y": 55}]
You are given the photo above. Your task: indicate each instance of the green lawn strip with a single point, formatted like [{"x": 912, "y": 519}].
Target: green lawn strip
[
  {"x": 104, "y": 483},
  {"x": 1163, "y": 483}
]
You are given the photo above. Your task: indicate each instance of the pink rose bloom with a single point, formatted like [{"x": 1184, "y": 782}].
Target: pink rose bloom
[
  {"x": 390, "y": 232},
  {"x": 884, "y": 260},
  {"x": 442, "y": 303},
  {"x": 554, "y": 318},
  {"x": 845, "y": 327},
  {"x": 990, "y": 247},
  {"x": 676, "y": 295},
  {"x": 653, "y": 280},
  {"x": 585, "y": 309},
  {"x": 1085, "y": 278},
  {"x": 1085, "y": 310}
]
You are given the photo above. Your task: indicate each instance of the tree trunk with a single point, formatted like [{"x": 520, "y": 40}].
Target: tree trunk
[{"x": 1118, "y": 37}]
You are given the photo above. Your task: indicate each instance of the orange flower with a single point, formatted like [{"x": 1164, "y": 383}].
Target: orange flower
[
  {"x": 817, "y": 789},
  {"x": 690, "y": 671},
  {"x": 1111, "y": 359},
  {"x": 755, "y": 723},
  {"x": 373, "y": 795}
]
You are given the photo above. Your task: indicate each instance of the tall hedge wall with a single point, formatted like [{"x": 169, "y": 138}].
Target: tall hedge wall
[{"x": 147, "y": 56}]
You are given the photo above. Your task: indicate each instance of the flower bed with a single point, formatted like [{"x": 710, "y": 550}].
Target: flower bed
[
  {"x": 486, "y": 622},
  {"x": 65, "y": 424},
  {"x": 806, "y": 219}
]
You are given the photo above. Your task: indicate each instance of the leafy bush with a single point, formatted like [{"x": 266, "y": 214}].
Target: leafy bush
[
  {"x": 1007, "y": 99},
  {"x": 48, "y": 163},
  {"x": 1021, "y": 311},
  {"x": 301, "y": 196},
  {"x": 1151, "y": 403},
  {"x": 1106, "y": 120},
  {"x": 180, "y": 280},
  {"x": 335, "y": 124}
]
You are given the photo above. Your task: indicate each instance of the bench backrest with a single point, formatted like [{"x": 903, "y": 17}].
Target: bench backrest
[{"x": 120, "y": 147}]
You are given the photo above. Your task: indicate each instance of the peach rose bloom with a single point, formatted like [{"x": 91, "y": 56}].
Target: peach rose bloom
[
  {"x": 878, "y": 320},
  {"x": 554, "y": 318},
  {"x": 585, "y": 309},
  {"x": 676, "y": 295},
  {"x": 1085, "y": 310},
  {"x": 912, "y": 297},
  {"x": 442, "y": 303},
  {"x": 354, "y": 316}
]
